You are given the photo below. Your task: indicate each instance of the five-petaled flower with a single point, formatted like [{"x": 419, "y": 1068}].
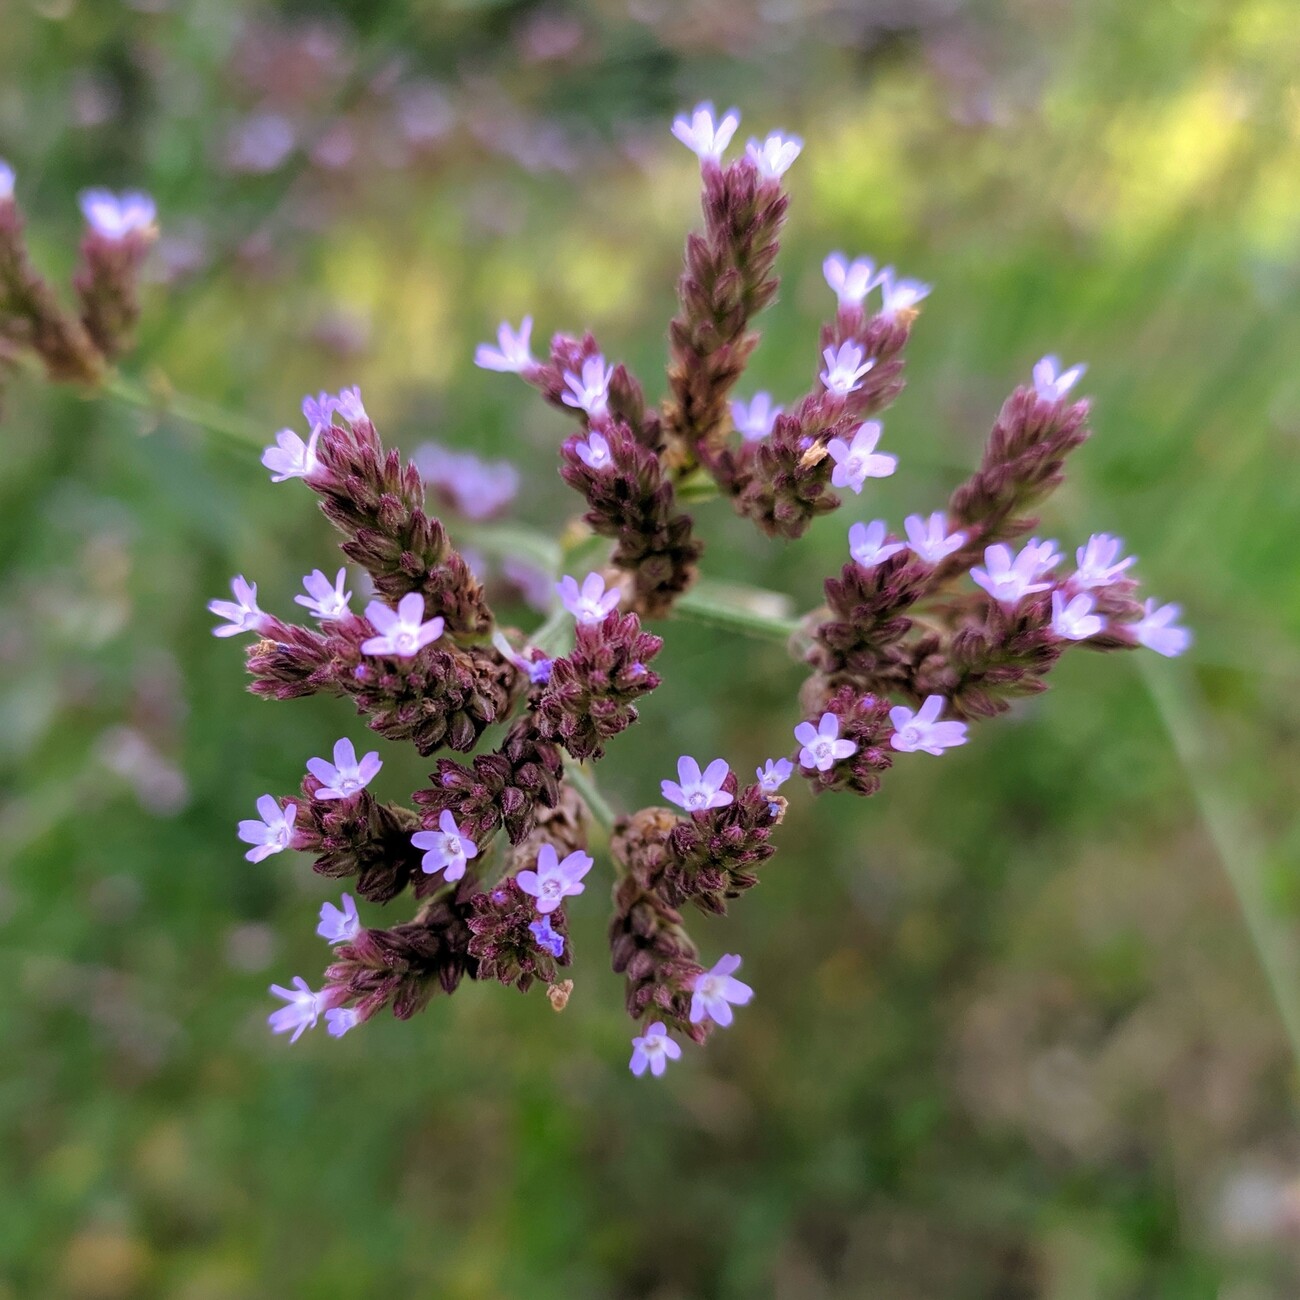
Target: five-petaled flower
[
  {"x": 511, "y": 355},
  {"x": 867, "y": 544},
  {"x": 923, "y": 730},
  {"x": 852, "y": 281},
  {"x": 345, "y": 776},
  {"x": 590, "y": 390},
  {"x": 653, "y": 1050},
  {"x": 755, "y": 419},
  {"x": 447, "y": 849},
  {"x": 554, "y": 880},
  {"x": 589, "y": 603},
  {"x": 242, "y": 613},
  {"x": 844, "y": 368},
  {"x": 773, "y": 775},
  {"x": 273, "y": 833},
  {"x": 546, "y": 936},
  {"x": 115, "y": 216},
  {"x": 1074, "y": 620},
  {"x": 1010, "y": 579},
  {"x": 339, "y": 924},
  {"x": 930, "y": 539},
  {"x": 697, "y": 791},
  {"x": 857, "y": 461},
  {"x": 1099, "y": 562},
  {"x": 402, "y": 632},
  {"x": 1051, "y": 383},
  {"x": 291, "y": 457},
  {"x": 898, "y": 295},
  {"x": 705, "y": 136},
  {"x": 821, "y": 745},
  {"x": 715, "y": 990},
  {"x": 1157, "y": 631},
  {"x": 773, "y": 157},
  {"x": 303, "y": 1011},
  {"x": 594, "y": 452},
  {"x": 325, "y": 600}
]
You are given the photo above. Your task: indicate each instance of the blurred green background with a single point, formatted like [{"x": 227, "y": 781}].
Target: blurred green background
[{"x": 1021, "y": 1025}]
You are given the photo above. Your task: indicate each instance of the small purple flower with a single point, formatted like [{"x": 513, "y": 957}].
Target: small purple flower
[
  {"x": 302, "y": 1012},
  {"x": 775, "y": 155},
  {"x": 547, "y": 938},
  {"x": 536, "y": 670},
  {"x": 345, "y": 776},
  {"x": 857, "y": 461},
  {"x": 291, "y": 457},
  {"x": 1099, "y": 562},
  {"x": 844, "y": 368},
  {"x": 319, "y": 411},
  {"x": 696, "y": 791},
  {"x": 589, "y": 603},
  {"x": 653, "y": 1050},
  {"x": 339, "y": 925},
  {"x": 1009, "y": 580},
  {"x": 867, "y": 544},
  {"x": 274, "y": 833},
  {"x": 477, "y": 488},
  {"x": 923, "y": 730},
  {"x": 755, "y": 420},
  {"x": 325, "y": 600},
  {"x": 715, "y": 990},
  {"x": 703, "y": 135},
  {"x": 1157, "y": 632},
  {"x": 242, "y": 613},
  {"x": 6, "y": 181},
  {"x": 822, "y": 746},
  {"x": 930, "y": 539},
  {"x": 554, "y": 881},
  {"x": 339, "y": 1020},
  {"x": 898, "y": 294},
  {"x": 448, "y": 849},
  {"x": 594, "y": 453},
  {"x": 116, "y": 216},
  {"x": 1051, "y": 383},
  {"x": 852, "y": 281},
  {"x": 349, "y": 405},
  {"x": 511, "y": 355},
  {"x": 773, "y": 775},
  {"x": 402, "y": 632},
  {"x": 590, "y": 391},
  {"x": 1075, "y": 621}
]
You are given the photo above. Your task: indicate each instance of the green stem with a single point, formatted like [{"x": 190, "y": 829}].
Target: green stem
[
  {"x": 735, "y": 609},
  {"x": 583, "y": 783},
  {"x": 161, "y": 399}
]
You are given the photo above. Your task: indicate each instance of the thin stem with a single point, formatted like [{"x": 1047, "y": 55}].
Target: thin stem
[
  {"x": 585, "y": 785},
  {"x": 161, "y": 399},
  {"x": 736, "y": 609}
]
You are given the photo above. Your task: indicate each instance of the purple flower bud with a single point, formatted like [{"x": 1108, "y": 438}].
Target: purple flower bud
[
  {"x": 345, "y": 776},
  {"x": 923, "y": 730},
  {"x": 652, "y": 1050},
  {"x": 273, "y": 833},
  {"x": 339, "y": 1020},
  {"x": 698, "y": 791}
]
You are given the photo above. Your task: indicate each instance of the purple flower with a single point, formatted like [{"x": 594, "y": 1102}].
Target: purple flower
[
  {"x": 477, "y": 488},
  {"x": 755, "y": 420},
  {"x": 1157, "y": 632},
  {"x": 930, "y": 539},
  {"x": 590, "y": 603},
  {"x": 302, "y": 1012},
  {"x": 1075, "y": 621},
  {"x": 852, "y": 281},
  {"x": 319, "y": 411},
  {"x": 1009, "y": 580},
  {"x": 273, "y": 833},
  {"x": 897, "y": 294},
  {"x": 822, "y": 746},
  {"x": 594, "y": 453},
  {"x": 349, "y": 405},
  {"x": 340, "y": 1019},
  {"x": 857, "y": 461},
  {"x": 867, "y": 544},
  {"x": 590, "y": 391},
  {"x": 653, "y": 1050},
  {"x": 696, "y": 791},
  {"x": 715, "y": 991},
  {"x": 1051, "y": 383},
  {"x": 844, "y": 368},
  {"x": 242, "y": 613},
  {"x": 115, "y": 216},
  {"x": 704, "y": 136},
  {"x": 344, "y": 777},
  {"x": 511, "y": 355},
  {"x": 402, "y": 632},
  {"x": 773, "y": 775},
  {"x": 6, "y": 181},
  {"x": 1099, "y": 563},
  {"x": 291, "y": 457},
  {"x": 533, "y": 584},
  {"x": 923, "y": 730},
  {"x": 774, "y": 156},
  {"x": 554, "y": 881},
  {"x": 325, "y": 600},
  {"x": 339, "y": 925},
  {"x": 547, "y": 939},
  {"x": 448, "y": 849}
]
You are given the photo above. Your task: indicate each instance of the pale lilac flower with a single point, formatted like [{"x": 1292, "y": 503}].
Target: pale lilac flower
[
  {"x": 822, "y": 746},
  {"x": 852, "y": 281},
  {"x": 325, "y": 600},
  {"x": 594, "y": 453},
  {"x": 512, "y": 354},
  {"x": 1051, "y": 383},
  {"x": 6, "y": 181},
  {"x": 696, "y": 791},
  {"x": 844, "y": 368},
  {"x": 338, "y": 1020},
  {"x": 899, "y": 295},
  {"x": 1099, "y": 562},
  {"x": 242, "y": 613},
  {"x": 273, "y": 833},
  {"x": 291, "y": 457},
  {"x": 349, "y": 405},
  {"x": 715, "y": 990},
  {"x": 589, "y": 603},
  {"x": 653, "y": 1050},
  {"x": 345, "y": 776},
  {"x": 536, "y": 670},
  {"x": 319, "y": 411},
  {"x": 1157, "y": 632},
  {"x": 590, "y": 391},
  {"x": 703, "y": 135},
  {"x": 547, "y": 938},
  {"x": 448, "y": 849},
  {"x": 774, "y": 156},
  {"x": 755, "y": 420},
  {"x": 339, "y": 924},
  {"x": 867, "y": 544},
  {"x": 554, "y": 881},
  {"x": 773, "y": 775},
  {"x": 1009, "y": 580},
  {"x": 857, "y": 461},
  {"x": 478, "y": 489},
  {"x": 302, "y": 1012},
  {"x": 533, "y": 584},
  {"x": 1047, "y": 555},
  {"x": 116, "y": 216},
  {"x": 923, "y": 730},
  {"x": 930, "y": 539},
  {"x": 1074, "y": 620},
  {"x": 402, "y": 632}
]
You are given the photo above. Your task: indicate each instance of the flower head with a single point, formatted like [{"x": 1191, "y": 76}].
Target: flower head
[
  {"x": 303, "y": 1011},
  {"x": 590, "y": 390},
  {"x": 242, "y": 613},
  {"x": 338, "y": 1020},
  {"x": 715, "y": 990},
  {"x": 478, "y": 489},
  {"x": 554, "y": 880},
  {"x": 899, "y": 295},
  {"x": 653, "y": 1050},
  {"x": 447, "y": 849},
  {"x": 273, "y": 833},
  {"x": 774, "y": 156},
  {"x": 1051, "y": 383},
  {"x": 773, "y": 775},
  {"x": 1099, "y": 562},
  {"x": 822, "y": 746},
  {"x": 1157, "y": 631},
  {"x": 930, "y": 539},
  {"x": 844, "y": 368},
  {"x": 589, "y": 603},
  {"x": 1009, "y": 580},
  {"x": 697, "y": 791},
  {"x": 339, "y": 924},
  {"x": 6, "y": 181},
  {"x": 548, "y": 940},
  {"x": 857, "y": 461},
  {"x": 703, "y": 135},
  {"x": 345, "y": 776},
  {"x": 852, "y": 281},
  {"x": 511, "y": 355},
  {"x": 867, "y": 544},
  {"x": 115, "y": 216},
  {"x": 402, "y": 632},
  {"x": 594, "y": 452},
  {"x": 1074, "y": 620},
  {"x": 291, "y": 457},
  {"x": 755, "y": 419},
  {"x": 923, "y": 730},
  {"x": 325, "y": 600}
]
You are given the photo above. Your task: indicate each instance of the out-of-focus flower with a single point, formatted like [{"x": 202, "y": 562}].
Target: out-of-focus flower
[
  {"x": 478, "y": 489},
  {"x": 775, "y": 155},
  {"x": 705, "y": 136},
  {"x": 590, "y": 390},
  {"x": 821, "y": 745},
  {"x": 1099, "y": 563},
  {"x": 899, "y": 295},
  {"x": 338, "y": 1020},
  {"x": 589, "y": 603},
  {"x": 923, "y": 730},
  {"x": 844, "y": 368},
  {"x": 1074, "y": 619},
  {"x": 1157, "y": 631},
  {"x": 930, "y": 539},
  {"x": 403, "y": 633},
  {"x": 867, "y": 543},
  {"x": 511, "y": 355},
  {"x": 1051, "y": 383},
  {"x": 697, "y": 791},
  {"x": 852, "y": 281},
  {"x": 345, "y": 776},
  {"x": 857, "y": 461},
  {"x": 754, "y": 420},
  {"x": 6, "y": 181},
  {"x": 115, "y": 216},
  {"x": 653, "y": 1050}
]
